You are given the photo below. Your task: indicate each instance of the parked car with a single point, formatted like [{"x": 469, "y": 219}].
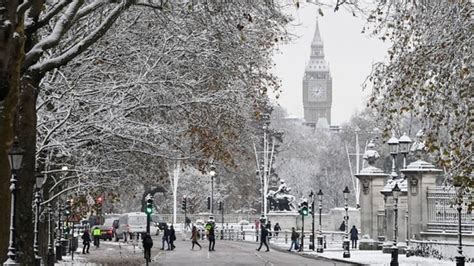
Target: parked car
[{"x": 130, "y": 224}]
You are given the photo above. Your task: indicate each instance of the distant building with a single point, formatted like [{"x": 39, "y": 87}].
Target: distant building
[{"x": 317, "y": 86}]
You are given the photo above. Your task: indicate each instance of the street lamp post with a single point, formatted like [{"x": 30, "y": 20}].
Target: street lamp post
[
  {"x": 320, "y": 248},
  {"x": 59, "y": 253},
  {"x": 212, "y": 173},
  {"x": 395, "y": 194},
  {"x": 50, "y": 236},
  {"x": 460, "y": 259},
  {"x": 347, "y": 253},
  {"x": 39, "y": 185},
  {"x": 15, "y": 157},
  {"x": 311, "y": 195}
]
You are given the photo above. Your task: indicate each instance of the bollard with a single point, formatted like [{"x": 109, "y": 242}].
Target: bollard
[
  {"x": 243, "y": 235},
  {"x": 286, "y": 237}
]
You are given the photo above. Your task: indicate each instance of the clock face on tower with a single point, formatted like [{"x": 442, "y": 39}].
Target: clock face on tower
[{"x": 316, "y": 93}]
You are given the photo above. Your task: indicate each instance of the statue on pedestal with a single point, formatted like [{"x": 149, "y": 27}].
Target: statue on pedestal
[{"x": 281, "y": 200}]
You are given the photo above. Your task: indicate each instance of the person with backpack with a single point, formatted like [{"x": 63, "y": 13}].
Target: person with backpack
[
  {"x": 147, "y": 245},
  {"x": 172, "y": 237},
  {"x": 294, "y": 239},
  {"x": 86, "y": 241},
  {"x": 263, "y": 238},
  {"x": 194, "y": 237}
]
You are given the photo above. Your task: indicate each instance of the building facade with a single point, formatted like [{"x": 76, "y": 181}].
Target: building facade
[{"x": 317, "y": 85}]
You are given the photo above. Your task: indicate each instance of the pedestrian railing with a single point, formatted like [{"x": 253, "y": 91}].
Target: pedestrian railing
[
  {"x": 443, "y": 250},
  {"x": 331, "y": 239}
]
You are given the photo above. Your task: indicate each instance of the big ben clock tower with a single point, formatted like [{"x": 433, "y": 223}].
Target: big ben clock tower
[{"x": 317, "y": 84}]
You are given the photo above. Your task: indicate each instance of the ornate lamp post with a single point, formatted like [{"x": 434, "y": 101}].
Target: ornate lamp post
[
  {"x": 39, "y": 185},
  {"x": 59, "y": 252},
  {"x": 405, "y": 143},
  {"x": 50, "y": 236},
  {"x": 15, "y": 157},
  {"x": 460, "y": 259},
  {"x": 311, "y": 196},
  {"x": 395, "y": 194},
  {"x": 320, "y": 248},
  {"x": 393, "y": 148},
  {"x": 347, "y": 253},
  {"x": 212, "y": 173}
]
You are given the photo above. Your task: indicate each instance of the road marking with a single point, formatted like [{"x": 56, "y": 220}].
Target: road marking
[{"x": 208, "y": 254}]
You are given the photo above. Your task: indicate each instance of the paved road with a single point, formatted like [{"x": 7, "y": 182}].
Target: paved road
[{"x": 227, "y": 253}]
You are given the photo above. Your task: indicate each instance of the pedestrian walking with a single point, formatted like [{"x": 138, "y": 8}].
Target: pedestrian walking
[
  {"x": 263, "y": 238},
  {"x": 96, "y": 233},
  {"x": 354, "y": 236},
  {"x": 211, "y": 236},
  {"x": 194, "y": 237},
  {"x": 294, "y": 239},
  {"x": 172, "y": 238},
  {"x": 165, "y": 238},
  {"x": 268, "y": 226},
  {"x": 147, "y": 245},
  {"x": 277, "y": 229},
  {"x": 342, "y": 227},
  {"x": 86, "y": 241}
]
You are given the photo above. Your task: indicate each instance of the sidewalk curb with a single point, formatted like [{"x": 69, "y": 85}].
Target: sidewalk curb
[{"x": 309, "y": 256}]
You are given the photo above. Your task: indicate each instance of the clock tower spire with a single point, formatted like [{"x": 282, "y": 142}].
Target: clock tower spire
[{"x": 317, "y": 84}]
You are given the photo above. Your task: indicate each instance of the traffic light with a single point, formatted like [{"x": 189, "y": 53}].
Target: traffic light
[
  {"x": 208, "y": 203},
  {"x": 99, "y": 200},
  {"x": 67, "y": 208},
  {"x": 183, "y": 206},
  {"x": 221, "y": 206},
  {"x": 149, "y": 204},
  {"x": 304, "y": 210}
]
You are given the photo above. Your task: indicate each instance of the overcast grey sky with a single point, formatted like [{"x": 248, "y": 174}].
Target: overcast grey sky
[{"x": 350, "y": 55}]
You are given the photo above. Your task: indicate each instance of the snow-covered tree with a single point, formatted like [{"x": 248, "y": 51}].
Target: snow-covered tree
[{"x": 428, "y": 76}]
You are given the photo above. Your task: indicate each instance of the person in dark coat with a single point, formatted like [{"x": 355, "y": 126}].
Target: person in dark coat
[
  {"x": 277, "y": 229},
  {"x": 212, "y": 237},
  {"x": 147, "y": 245},
  {"x": 165, "y": 238},
  {"x": 263, "y": 238},
  {"x": 354, "y": 236},
  {"x": 342, "y": 227},
  {"x": 195, "y": 237},
  {"x": 172, "y": 237},
  {"x": 294, "y": 239},
  {"x": 86, "y": 238}
]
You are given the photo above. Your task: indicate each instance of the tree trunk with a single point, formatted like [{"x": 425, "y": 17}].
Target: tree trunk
[{"x": 11, "y": 58}]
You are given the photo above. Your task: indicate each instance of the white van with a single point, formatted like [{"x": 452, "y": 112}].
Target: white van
[{"x": 132, "y": 223}]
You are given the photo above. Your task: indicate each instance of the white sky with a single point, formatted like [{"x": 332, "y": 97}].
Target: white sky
[{"x": 350, "y": 55}]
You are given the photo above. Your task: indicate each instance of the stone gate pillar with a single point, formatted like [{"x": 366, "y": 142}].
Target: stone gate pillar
[
  {"x": 372, "y": 182},
  {"x": 420, "y": 176}
]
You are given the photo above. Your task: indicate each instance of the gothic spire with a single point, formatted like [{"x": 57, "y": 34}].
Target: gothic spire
[{"x": 317, "y": 36}]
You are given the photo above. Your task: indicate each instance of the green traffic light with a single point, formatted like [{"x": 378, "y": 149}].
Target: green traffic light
[
  {"x": 304, "y": 211},
  {"x": 149, "y": 210}
]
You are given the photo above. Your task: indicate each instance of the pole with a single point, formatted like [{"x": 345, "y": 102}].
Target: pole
[
  {"x": 265, "y": 171},
  {"x": 394, "y": 261},
  {"x": 50, "y": 237},
  {"x": 302, "y": 232},
  {"x": 346, "y": 253},
  {"x": 12, "y": 256},
  {"x": 459, "y": 259},
  {"x": 35, "y": 241},
  {"x": 212, "y": 194},
  {"x": 58, "y": 235},
  {"x": 148, "y": 218},
  {"x": 312, "y": 222}
]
